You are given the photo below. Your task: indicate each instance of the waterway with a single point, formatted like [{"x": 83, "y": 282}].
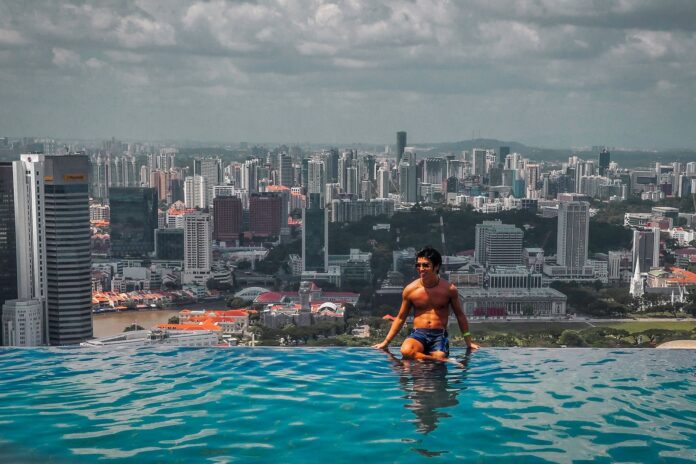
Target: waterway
[{"x": 107, "y": 324}]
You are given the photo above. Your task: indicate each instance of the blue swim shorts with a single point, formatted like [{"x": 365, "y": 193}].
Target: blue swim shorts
[{"x": 432, "y": 340}]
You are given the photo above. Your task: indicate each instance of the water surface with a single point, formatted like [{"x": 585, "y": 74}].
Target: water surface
[{"x": 345, "y": 405}]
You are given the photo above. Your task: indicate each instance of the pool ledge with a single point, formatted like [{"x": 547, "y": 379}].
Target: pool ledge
[{"x": 679, "y": 345}]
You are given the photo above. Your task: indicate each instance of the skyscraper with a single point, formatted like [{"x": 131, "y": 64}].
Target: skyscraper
[
  {"x": 498, "y": 244},
  {"x": 53, "y": 243},
  {"x": 265, "y": 211},
  {"x": 227, "y": 219},
  {"x": 133, "y": 221},
  {"x": 285, "y": 170},
  {"x": 8, "y": 246},
  {"x": 604, "y": 160},
  {"x": 211, "y": 170},
  {"x": 315, "y": 235},
  {"x": 195, "y": 192},
  {"x": 383, "y": 182},
  {"x": 169, "y": 244},
  {"x": 646, "y": 248},
  {"x": 480, "y": 162},
  {"x": 400, "y": 146},
  {"x": 572, "y": 236},
  {"x": 198, "y": 249}
]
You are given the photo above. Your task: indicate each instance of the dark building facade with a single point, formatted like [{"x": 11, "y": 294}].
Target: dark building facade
[
  {"x": 227, "y": 219},
  {"x": 169, "y": 244},
  {"x": 314, "y": 235},
  {"x": 604, "y": 160},
  {"x": 400, "y": 145},
  {"x": 8, "y": 244},
  {"x": 133, "y": 221},
  {"x": 265, "y": 210},
  {"x": 68, "y": 254}
]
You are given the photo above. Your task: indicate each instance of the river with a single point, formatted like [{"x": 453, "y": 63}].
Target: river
[{"x": 107, "y": 324}]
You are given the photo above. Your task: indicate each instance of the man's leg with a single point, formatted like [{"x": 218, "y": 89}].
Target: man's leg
[{"x": 413, "y": 349}]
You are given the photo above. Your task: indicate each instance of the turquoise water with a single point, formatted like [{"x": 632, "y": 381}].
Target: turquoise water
[{"x": 346, "y": 405}]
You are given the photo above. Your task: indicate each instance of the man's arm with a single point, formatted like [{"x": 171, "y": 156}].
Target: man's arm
[
  {"x": 461, "y": 317},
  {"x": 398, "y": 321}
]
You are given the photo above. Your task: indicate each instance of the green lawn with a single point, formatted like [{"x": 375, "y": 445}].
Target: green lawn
[{"x": 639, "y": 326}]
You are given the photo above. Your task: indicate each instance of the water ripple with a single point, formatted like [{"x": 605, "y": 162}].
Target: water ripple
[{"x": 343, "y": 405}]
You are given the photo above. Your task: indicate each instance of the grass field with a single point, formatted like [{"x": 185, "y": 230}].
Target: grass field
[{"x": 639, "y": 326}]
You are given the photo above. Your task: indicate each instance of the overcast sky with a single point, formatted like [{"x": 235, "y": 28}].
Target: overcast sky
[{"x": 547, "y": 72}]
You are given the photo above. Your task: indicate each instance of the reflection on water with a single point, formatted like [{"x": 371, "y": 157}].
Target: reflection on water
[{"x": 431, "y": 388}]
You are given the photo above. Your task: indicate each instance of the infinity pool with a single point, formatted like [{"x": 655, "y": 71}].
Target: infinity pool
[{"x": 346, "y": 405}]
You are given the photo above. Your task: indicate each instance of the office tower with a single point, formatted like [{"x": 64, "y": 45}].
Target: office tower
[
  {"x": 162, "y": 161},
  {"x": 195, "y": 192},
  {"x": 227, "y": 219},
  {"x": 285, "y": 170},
  {"x": 211, "y": 170},
  {"x": 169, "y": 244},
  {"x": 383, "y": 182},
  {"x": 315, "y": 176},
  {"x": 100, "y": 178},
  {"x": 368, "y": 168},
  {"x": 22, "y": 323},
  {"x": 408, "y": 183},
  {"x": 265, "y": 210},
  {"x": 532, "y": 175},
  {"x": 53, "y": 243},
  {"x": 198, "y": 250},
  {"x": 8, "y": 245},
  {"x": 604, "y": 160},
  {"x": 250, "y": 177},
  {"x": 344, "y": 163},
  {"x": 331, "y": 163},
  {"x": 161, "y": 182},
  {"x": 366, "y": 190},
  {"x": 315, "y": 235},
  {"x": 400, "y": 146},
  {"x": 646, "y": 248},
  {"x": 480, "y": 162},
  {"x": 504, "y": 151},
  {"x": 435, "y": 170},
  {"x": 133, "y": 221},
  {"x": 498, "y": 244},
  {"x": 351, "y": 186},
  {"x": 572, "y": 236}
]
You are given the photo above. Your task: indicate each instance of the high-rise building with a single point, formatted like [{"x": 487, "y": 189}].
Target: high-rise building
[
  {"x": 315, "y": 235},
  {"x": 162, "y": 182},
  {"x": 22, "y": 323},
  {"x": 383, "y": 182},
  {"x": 480, "y": 162},
  {"x": 211, "y": 170},
  {"x": 646, "y": 248},
  {"x": 573, "y": 233},
  {"x": 195, "y": 192},
  {"x": 408, "y": 177},
  {"x": 133, "y": 221},
  {"x": 400, "y": 146},
  {"x": 285, "y": 170},
  {"x": 498, "y": 244},
  {"x": 504, "y": 151},
  {"x": 53, "y": 243},
  {"x": 227, "y": 218},
  {"x": 198, "y": 248},
  {"x": 315, "y": 176},
  {"x": 250, "y": 175},
  {"x": 435, "y": 170},
  {"x": 169, "y": 244},
  {"x": 265, "y": 212},
  {"x": 8, "y": 245},
  {"x": 352, "y": 181},
  {"x": 604, "y": 160}
]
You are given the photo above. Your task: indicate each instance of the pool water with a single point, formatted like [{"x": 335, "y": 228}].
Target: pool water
[{"x": 346, "y": 405}]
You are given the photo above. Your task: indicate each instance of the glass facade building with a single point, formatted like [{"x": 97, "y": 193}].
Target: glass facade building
[
  {"x": 133, "y": 221},
  {"x": 314, "y": 236},
  {"x": 169, "y": 244},
  {"x": 8, "y": 245}
]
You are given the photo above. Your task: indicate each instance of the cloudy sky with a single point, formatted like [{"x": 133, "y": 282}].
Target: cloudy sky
[{"x": 545, "y": 72}]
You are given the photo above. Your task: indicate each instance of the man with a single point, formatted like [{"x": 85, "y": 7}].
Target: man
[{"x": 431, "y": 298}]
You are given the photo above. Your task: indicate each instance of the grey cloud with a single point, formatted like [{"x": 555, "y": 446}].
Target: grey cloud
[{"x": 402, "y": 63}]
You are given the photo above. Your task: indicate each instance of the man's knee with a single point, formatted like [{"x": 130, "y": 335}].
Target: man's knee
[{"x": 409, "y": 350}]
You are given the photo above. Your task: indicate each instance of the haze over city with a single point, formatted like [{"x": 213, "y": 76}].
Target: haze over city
[{"x": 540, "y": 72}]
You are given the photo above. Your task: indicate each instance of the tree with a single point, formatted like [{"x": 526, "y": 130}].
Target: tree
[
  {"x": 133, "y": 327},
  {"x": 237, "y": 302},
  {"x": 571, "y": 338},
  {"x": 173, "y": 320}
]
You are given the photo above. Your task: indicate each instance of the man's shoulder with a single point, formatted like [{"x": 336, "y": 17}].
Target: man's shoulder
[{"x": 413, "y": 285}]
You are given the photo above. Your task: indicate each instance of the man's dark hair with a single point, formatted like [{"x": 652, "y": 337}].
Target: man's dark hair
[{"x": 432, "y": 255}]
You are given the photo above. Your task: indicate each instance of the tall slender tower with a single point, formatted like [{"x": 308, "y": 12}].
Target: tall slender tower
[
  {"x": 198, "y": 251},
  {"x": 573, "y": 232},
  {"x": 53, "y": 243},
  {"x": 8, "y": 247},
  {"x": 400, "y": 145}
]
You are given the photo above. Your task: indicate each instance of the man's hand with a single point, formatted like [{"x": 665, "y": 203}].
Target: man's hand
[
  {"x": 381, "y": 346},
  {"x": 473, "y": 347}
]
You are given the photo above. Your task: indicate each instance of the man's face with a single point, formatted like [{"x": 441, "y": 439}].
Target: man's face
[{"x": 425, "y": 267}]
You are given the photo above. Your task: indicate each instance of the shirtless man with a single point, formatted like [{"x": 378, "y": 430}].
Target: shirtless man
[{"x": 431, "y": 298}]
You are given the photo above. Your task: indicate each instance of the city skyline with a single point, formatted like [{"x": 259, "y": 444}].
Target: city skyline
[{"x": 545, "y": 74}]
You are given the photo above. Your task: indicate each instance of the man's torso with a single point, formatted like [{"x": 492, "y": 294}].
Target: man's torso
[{"x": 431, "y": 305}]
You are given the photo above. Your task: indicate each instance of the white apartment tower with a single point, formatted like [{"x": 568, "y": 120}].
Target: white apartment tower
[
  {"x": 383, "y": 181},
  {"x": 573, "y": 233},
  {"x": 198, "y": 251},
  {"x": 195, "y": 192}
]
